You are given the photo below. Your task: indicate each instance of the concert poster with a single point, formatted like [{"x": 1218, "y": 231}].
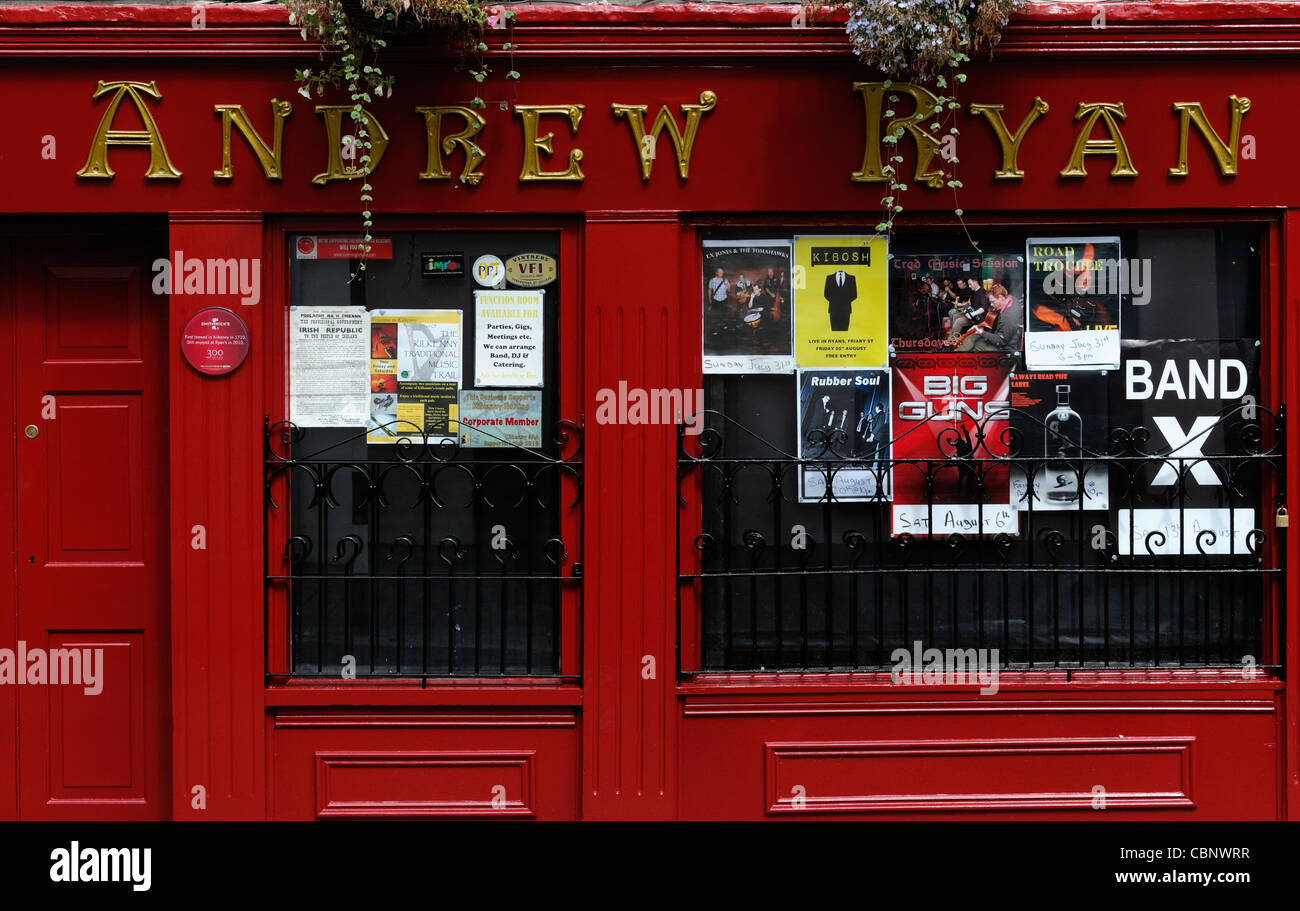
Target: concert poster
[
  {"x": 1062, "y": 427},
  {"x": 1073, "y": 303},
  {"x": 748, "y": 312},
  {"x": 950, "y": 417},
  {"x": 844, "y": 425},
  {"x": 1187, "y": 403},
  {"x": 841, "y": 303},
  {"x": 945, "y": 303}
]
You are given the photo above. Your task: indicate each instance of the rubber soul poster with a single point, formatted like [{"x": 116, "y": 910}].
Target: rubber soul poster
[{"x": 841, "y": 301}]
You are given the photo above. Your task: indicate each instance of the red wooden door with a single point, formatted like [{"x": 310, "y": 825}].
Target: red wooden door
[{"x": 91, "y": 477}]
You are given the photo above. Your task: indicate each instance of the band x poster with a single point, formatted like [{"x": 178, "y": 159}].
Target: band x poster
[
  {"x": 747, "y": 310},
  {"x": 1073, "y": 302},
  {"x": 841, "y": 306},
  {"x": 329, "y": 366},
  {"x": 1062, "y": 429},
  {"x": 844, "y": 423},
  {"x": 415, "y": 374},
  {"x": 949, "y": 412},
  {"x": 956, "y": 302},
  {"x": 508, "y": 336},
  {"x": 1190, "y": 402}
]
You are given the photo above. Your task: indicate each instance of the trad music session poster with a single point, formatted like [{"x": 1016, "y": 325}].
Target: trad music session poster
[{"x": 943, "y": 303}]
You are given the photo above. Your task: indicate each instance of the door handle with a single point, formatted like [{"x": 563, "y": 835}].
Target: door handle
[{"x": 32, "y": 431}]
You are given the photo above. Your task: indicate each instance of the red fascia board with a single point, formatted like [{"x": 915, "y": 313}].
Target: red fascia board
[{"x": 1172, "y": 11}]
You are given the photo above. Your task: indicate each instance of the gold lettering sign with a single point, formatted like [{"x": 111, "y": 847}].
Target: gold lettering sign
[
  {"x": 335, "y": 169},
  {"x": 160, "y": 166},
  {"x": 437, "y": 147},
  {"x": 532, "y": 170},
  {"x": 269, "y": 157},
  {"x": 927, "y": 106},
  {"x": 1225, "y": 154},
  {"x": 635, "y": 114},
  {"x": 1010, "y": 144},
  {"x": 1085, "y": 145}
]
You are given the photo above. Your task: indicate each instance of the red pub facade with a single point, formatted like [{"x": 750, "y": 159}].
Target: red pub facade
[{"x": 299, "y": 622}]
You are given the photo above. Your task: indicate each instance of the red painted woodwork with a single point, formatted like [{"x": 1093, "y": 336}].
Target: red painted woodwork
[
  {"x": 9, "y": 549},
  {"x": 431, "y": 764},
  {"x": 625, "y": 742},
  {"x": 1021, "y": 755},
  {"x": 92, "y": 519},
  {"x": 217, "y": 627}
]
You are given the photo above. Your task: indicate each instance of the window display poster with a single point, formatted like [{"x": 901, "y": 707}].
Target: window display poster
[
  {"x": 1062, "y": 427},
  {"x": 747, "y": 310},
  {"x": 508, "y": 338},
  {"x": 500, "y": 418},
  {"x": 329, "y": 367},
  {"x": 1073, "y": 295},
  {"x": 1188, "y": 404},
  {"x": 844, "y": 423},
  {"x": 950, "y": 418},
  {"x": 956, "y": 302},
  {"x": 841, "y": 308},
  {"x": 415, "y": 371}
]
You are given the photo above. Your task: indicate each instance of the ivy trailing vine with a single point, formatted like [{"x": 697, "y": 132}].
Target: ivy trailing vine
[
  {"x": 926, "y": 43},
  {"x": 352, "y": 33}
]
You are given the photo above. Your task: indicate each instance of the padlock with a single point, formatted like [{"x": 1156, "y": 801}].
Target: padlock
[{"x": 1282, "y": 520}]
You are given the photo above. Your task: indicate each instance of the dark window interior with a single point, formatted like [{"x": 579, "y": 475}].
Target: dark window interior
[
  {"x": 425, "y": 560},
  {"x": 1044, "y": 597}
]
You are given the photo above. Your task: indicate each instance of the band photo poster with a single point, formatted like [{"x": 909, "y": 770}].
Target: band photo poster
[
  {"x": 841, "y": 302},
  {"x": 843, "y": 419},
  {"x": 1073, "y": 303},
  {"x": 748, "y": 313},
  {"x": 956, "y": 303},
  {"x": 415, "y": 374}
]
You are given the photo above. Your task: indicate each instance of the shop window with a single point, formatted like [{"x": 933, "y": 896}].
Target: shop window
[
  {"x": 426, "y": 488},
  {"x": 1022, "y": 449}
]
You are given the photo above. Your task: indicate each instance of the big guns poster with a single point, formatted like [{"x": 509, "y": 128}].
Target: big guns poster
[
  {"x": 841, "y": 307},
  {"x": 950, "y": 414}
]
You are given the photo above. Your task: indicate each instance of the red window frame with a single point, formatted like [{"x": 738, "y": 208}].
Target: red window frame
[
  {"x": 562, "y": 690},
  {"x": 1274, "y": 366}
]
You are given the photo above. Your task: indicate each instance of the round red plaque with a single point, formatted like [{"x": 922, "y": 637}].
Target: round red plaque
[{"x": 215, "y": 341}]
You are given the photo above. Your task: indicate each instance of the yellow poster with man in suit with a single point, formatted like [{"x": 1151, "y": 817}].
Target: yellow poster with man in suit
[{"x": 841, "y": 302}]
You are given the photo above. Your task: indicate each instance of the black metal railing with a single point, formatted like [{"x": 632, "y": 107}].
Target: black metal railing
[
  {"x": 421, "y": 558},
  {"x": 770, "y": 584}
]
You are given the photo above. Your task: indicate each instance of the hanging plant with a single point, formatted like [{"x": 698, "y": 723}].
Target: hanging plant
[
  {"x": 927, "y": 43},
  {"x": 353, "y": 32}
]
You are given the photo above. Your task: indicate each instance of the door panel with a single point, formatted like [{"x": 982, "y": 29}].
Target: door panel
[{"x": 92, "y": 512}]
